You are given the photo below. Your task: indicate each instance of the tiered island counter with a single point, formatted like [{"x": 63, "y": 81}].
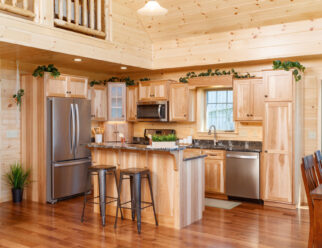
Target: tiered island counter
[{"x": 178, "y": 181}]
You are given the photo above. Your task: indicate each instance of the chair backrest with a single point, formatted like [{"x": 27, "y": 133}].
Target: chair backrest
[
  {"x": 309, "y": 179},
  {"x": 318, "y": 165}
]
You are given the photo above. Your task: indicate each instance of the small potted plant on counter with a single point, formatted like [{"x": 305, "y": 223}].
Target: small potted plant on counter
[
  {"x": 18, "y": 179},
  {"x": 164, "y": 141}
]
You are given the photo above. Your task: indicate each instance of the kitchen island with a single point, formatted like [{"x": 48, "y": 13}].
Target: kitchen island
[{"x": 178, "y": 181}]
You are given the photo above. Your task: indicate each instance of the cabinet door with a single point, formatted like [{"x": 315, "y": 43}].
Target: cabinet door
[
  {"x": 77, "y": 87},
  {"x": 98, "y": 97},
  {"x": 242, "y": 100},
  {"x": 116, "y": 102},
  {"x": 57, "y": 86},
  {"x": 131, "y": 102},
  {"x": 214, "y": 175},
  {"x": 145, "y": 91},
  {"x": 153, "y": 91},
  {"x": 179, "y": 102},
  {"x": 278, "y": 85},
  {"x": 160, "y": 91},
  {"x": 277, "y": 176},
  {"x": 257, "y": 99}
]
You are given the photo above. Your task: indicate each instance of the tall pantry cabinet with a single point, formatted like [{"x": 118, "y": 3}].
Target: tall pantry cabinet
[{"x": 282, "y": 139}]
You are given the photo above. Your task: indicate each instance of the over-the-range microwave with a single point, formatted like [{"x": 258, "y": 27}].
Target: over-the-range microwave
[{"x": 152, "y": 111}]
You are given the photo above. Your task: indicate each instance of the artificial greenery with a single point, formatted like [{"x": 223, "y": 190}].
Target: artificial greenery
[
  {"x": 164, "y": 138},
  {"x": 127, "y": 80},
  {"x": 216, "y": 72},
  {"x": 144, "y": 79},
  {"x": 18, "y": 97},
  {"x": 287, "y": 65},
  {"x": 17, "y": 177},
  {"x": 40, "y": 70}
]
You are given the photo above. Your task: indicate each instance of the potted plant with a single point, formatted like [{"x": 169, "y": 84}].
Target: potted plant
[
  {"x": 164, "y": 141},
  {"x": 18, "y": 178}
]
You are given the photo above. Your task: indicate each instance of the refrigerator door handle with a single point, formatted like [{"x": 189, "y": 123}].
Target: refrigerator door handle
[
  {"x": 77, "y": 126},
  {"x": 72, "y": 129}
]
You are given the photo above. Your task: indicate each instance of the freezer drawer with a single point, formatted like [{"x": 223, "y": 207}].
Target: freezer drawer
[
  {"x": 70, "y": 178},
  {"x": 242, "y": 174}
]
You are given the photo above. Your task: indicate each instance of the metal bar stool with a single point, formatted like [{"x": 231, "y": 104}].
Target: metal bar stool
[
  {"x": 102, "y": 171},
  {"x": 135, "y": 175}
]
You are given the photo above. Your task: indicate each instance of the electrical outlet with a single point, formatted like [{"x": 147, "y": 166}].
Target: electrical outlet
[{"x": 12, "y": 134}]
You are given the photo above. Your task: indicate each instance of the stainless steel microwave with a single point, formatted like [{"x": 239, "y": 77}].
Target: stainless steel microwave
[{"x": 152, "y": 111}]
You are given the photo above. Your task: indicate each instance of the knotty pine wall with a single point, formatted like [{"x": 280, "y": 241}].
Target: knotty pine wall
[
  {"x": 10, "y": 116},
  {"x": 252, "y": 131}
]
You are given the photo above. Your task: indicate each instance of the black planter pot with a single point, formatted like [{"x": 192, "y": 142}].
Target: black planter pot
[{"x": 17, "y": 195}]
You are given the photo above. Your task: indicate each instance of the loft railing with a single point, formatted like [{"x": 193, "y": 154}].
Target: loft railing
[
  {"x": 18, "y": 7},
  {"x": 84, "y": 16}
]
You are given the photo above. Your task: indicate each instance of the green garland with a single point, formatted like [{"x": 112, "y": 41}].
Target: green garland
[
  {"x": 216, "y": 72},
  {"x": 18, "y": 97},
  {"x": 287, "y": 65},
  {"x": 127, "y": 80},
  {"x": 40, "y": 70}
]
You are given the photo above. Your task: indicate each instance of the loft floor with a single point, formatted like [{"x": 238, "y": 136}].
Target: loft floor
[{"x": 248, "y": 225}]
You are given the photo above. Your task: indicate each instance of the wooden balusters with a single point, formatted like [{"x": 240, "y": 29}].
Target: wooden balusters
[
  {"x": 85, "y": 14},
  {"x": 91, "y": 14},
  {"x": 12, "y": 7},
  {"x": 69, "y": 10},
  {"x": 87, "y": 17},
  {"x": 25, "y": 4},
  {"x": 60, "y": 9},
  {"x": 99, "y": 15}
]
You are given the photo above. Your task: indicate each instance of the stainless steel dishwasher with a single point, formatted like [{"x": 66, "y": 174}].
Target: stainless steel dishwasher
[{"x": 242, "y": 174}]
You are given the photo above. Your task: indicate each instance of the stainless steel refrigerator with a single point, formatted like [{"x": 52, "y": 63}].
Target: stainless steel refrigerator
[{"x": 69, "y": 131}]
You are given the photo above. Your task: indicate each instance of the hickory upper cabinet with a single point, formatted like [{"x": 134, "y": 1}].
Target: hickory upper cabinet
[
  {"x": 278, "y": 85},
  {"x": 131, "y": 102},
  {"x": 182, "y": 102},
  {"x": 248, "y": 99},
  {"x": 66, "y": 86},
  {"x": 116, "y": 103},
  {"x": 153, "y": 91},
  {"x": 98, "y": 96}
]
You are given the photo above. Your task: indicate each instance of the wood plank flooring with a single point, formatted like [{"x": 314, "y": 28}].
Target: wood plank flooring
[{"x": 248, "y": 225}]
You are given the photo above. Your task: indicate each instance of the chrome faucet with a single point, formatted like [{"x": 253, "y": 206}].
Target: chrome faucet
[{"x": 215, "y": 133}]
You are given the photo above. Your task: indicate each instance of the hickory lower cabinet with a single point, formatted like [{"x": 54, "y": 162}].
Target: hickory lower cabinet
[
  {"x": 66, "y": 86},
  {"x": 282, "y": 139},
  {"x": 182, "y": 103},
  {"x": 248, "y": 99},
  {"x": 215, "y": 171},
  {"x": 98, "y": 96}
]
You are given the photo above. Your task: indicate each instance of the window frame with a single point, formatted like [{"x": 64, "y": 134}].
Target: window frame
[{"x": 205, "y": 110}]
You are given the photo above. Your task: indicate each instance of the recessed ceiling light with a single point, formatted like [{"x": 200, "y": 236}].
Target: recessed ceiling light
[
  {"x": 78, "y": 60},
  {"x": 123, "y": 67}
]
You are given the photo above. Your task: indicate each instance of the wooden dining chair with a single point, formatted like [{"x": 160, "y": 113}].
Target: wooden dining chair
[
  {"x": 318, "y": 165},
  {"x": 310, "y": 182}
]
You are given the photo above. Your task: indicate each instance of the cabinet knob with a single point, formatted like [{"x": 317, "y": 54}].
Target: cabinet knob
[
  {"x": 92, "y": 115},
  {"x": 247, "y": 115},
  {"x": 185, "y": 115},
  {"x": 251, "y": 115},
  {"x": 266, "y": 95},
  {"x": 265, "y": 151},
  {"x": 122, "y": 115}
]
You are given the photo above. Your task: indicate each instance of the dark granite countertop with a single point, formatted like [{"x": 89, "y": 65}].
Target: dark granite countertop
[{"x": 138, "y": 147}]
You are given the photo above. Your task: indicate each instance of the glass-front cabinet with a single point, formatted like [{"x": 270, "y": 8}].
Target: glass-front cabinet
[{"x": 116, "y": 101}]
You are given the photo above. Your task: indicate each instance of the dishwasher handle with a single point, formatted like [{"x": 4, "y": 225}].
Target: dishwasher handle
[{"x": 241, "y": 156}]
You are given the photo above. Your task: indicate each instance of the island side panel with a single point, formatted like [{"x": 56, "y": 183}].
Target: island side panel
[
  {"x": 165, "y": 183},
  {"x": 192, "y": 191}
]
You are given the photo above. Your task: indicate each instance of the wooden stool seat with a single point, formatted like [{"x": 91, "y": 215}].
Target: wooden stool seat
[
  {"x": 133, "y": 171},
  {"x": 102, "y": 167}
]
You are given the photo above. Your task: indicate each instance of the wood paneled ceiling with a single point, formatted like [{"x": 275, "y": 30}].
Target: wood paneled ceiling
[{"x": 187, "y": 18}]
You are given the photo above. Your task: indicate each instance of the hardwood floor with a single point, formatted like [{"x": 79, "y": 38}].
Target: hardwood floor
[{"x": 248, "y": 225}]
